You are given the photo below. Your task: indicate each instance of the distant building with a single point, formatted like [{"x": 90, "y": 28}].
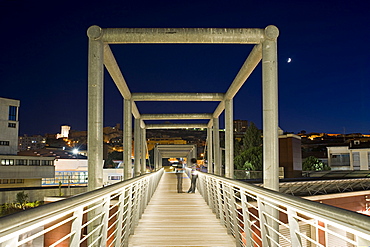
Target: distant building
[
  {"x": 290, "y": 155},
  {"x": 355, "y": 156},
  {"x": 64, "y": 132},
  {"x": 240, "y": 125},
  {"x": 31, "y": 142},
  {"x": 18, "y": 171}
]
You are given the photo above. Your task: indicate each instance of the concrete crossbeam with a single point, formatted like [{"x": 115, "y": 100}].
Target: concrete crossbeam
[
  {"x": 177, "y": 96},
  {"x": 176, "y": 116},
  {"x": 182, "y": 35},
  {"x": 175, "y": 126}
]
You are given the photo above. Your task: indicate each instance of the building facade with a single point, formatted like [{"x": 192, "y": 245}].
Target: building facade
[
  {"x": 356, "y": 156},
  {"x": 9, "y": 126}
]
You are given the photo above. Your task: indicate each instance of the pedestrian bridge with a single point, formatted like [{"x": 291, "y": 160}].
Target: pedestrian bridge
[{"x": 148, "y": 211}]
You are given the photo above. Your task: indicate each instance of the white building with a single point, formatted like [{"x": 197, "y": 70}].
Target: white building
[
  {"x": 356, "y": 156},
  {"x": 64, "y": 132},
  {"x": 9, "y": 125},
  {"x": 18, "y": 171}
]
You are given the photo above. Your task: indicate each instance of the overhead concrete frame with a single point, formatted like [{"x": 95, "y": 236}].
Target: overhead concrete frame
[{"x": 265, "y": 41}]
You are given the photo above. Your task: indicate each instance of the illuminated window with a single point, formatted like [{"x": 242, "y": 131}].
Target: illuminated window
[
  {"x": 12, "y": 125},
  {"x": 12, "y": 113},
  {"x": 4, "y": 143},
  {"x": 6, "y": 162}
]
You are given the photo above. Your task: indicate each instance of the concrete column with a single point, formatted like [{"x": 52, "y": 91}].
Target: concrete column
[
  {"x": 155, "y": 159},
  {"x": 270, "y": 109},
  {"x": 143, "y": 151},
  {"x": 209, "y": 150},
  {"x": 270, "y": 124},
  {"x": 95, "y": 108},
  {"x": 127, "y": 139},
  {"x": 137, "y": 147},
  {"x": 216, "y": 147},
  {"x": 229, "y": 139}
]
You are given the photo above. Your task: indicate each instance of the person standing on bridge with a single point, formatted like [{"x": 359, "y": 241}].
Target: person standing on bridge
[
  {"x": 194, "y": 175},
  {"x": 179, "y": 174}
]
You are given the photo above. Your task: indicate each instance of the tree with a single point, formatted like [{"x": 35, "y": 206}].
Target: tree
[
  {"x": 314, "y": 164},
  {"x": 249, "y": 155},
  {"x": 250, "y": 159},
  {"x": 252, "y": 137}
]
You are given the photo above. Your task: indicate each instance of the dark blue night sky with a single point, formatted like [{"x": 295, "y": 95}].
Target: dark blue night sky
[{"x": 324, "y": 88}]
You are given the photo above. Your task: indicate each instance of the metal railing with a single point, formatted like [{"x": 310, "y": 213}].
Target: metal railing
[
  {"x": 260, "y": 217},
  {"x": 103, "y": 217}
]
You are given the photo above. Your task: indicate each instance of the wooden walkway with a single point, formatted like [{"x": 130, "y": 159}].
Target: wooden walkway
[{"x": 179, "y": 219}]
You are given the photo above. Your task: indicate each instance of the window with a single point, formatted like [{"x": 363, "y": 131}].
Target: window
[
  {"x": 356, "y": 160},
  {"x": 6, "y": 162},
  {"x": 339, "y": 159},
  {"x": 114, "y": 177},
  {"x": 21, "y": 162},
  {"x": 12, "y": 113},
  {"x": 34, "y": 162},
  {"x": 12, "y": 181},
  {"x": 20, "y": 181},
  {"x": 12, "y": 125},
  {"x": 46, "y": 162},
  {"x": 368, "y": 159},
  {"x": 4, "y": 143}
]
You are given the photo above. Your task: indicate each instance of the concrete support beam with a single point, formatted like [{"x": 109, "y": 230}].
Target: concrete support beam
[
  {"x": 216, "y": 147},
  {"x": 137, "y": 147},
  {"x": 183, "y": 35},
  {"x": 270, "y": 110},
  {"x": 175, "y": 126},
  {"x": 176, "y": 116},
  {"x": 115, "y": 72},
  {"x": 177, "y": 96},
  {"x": 220, "y": 108},
  {"x": 95, "y": 108},
  {"x": 246, "y": 70},
  {"x": 143, "y": 150},
  {"x": 156, "y": 153},
  {"x": 127, "y": 139},
  {"x": 229, "y": 139},
  {"x": 135, "y": 111},
  {"x": 209, "y": 150},
  {"x": 270, "y": 124}
]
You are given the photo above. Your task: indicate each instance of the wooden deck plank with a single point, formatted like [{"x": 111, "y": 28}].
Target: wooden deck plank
[{"x": 179, "y": 219}]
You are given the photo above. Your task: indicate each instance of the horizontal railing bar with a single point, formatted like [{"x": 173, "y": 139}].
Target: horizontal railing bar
[
  {"x": 66, "y": 206},
  {"x": 353, "y": 220}
]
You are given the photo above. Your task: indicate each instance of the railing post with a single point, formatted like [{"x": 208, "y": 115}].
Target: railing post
[
  {"x": 76, "y": 227},
  {"x": 226, "y": 210},
  {"x": 246, "y": 218},
  {"x": 263, "y": 221},
  {"x": 143, "y": 151},
  {"x": 120, "y": 215},
  {"x": 234, "y": 216},
  {"x": 294, "y": 228},
  {"x": 105, "y": 220},
  {"x": 220, "y": 202}
]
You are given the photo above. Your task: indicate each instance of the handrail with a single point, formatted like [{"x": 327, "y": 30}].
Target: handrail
[
  {"x": 136, "y": 191},
  {"x": 239, "y": 204}
]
